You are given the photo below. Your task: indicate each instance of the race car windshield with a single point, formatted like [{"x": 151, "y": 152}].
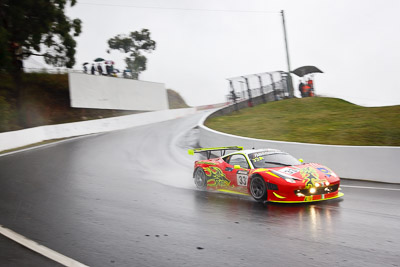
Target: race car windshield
[{"x": 271, "y": 160}]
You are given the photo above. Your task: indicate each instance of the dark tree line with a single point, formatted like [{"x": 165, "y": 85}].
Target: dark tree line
[
  {"x": 35, "y": 28},
  {"x": 41, "y": 28},
  {"x": 38, "y": 28}
]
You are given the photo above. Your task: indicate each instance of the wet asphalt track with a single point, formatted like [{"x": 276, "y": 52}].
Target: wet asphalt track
[{"x": 127, "y": 199}]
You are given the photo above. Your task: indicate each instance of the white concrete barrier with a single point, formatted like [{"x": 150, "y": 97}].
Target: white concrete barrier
[
  {"x": 14, "y": 139},
  {"x": 373, "y": 163},
  {"x": 103, "y": 92}
]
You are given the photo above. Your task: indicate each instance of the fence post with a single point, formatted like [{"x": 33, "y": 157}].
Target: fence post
[
  {"x": 248, "y": 91},
  {"x": 261, "y": 89},
  {"x": 273, "y": 86},
  {"x": 233, "y": 95}
]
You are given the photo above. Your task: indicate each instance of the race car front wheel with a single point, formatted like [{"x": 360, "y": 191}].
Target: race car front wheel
[
  {"x": 200, "y": 179},
  {"x": 258, "y": 189}
]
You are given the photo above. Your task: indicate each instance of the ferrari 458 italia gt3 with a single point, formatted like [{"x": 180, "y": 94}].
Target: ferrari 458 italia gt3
[{"x": 265, "y": 174}]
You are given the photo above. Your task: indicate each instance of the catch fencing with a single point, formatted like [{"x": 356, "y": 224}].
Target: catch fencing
[{"x": 260, "y": 86}]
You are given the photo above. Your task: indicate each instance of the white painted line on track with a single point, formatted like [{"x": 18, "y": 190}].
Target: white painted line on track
[
  {"x": 368, "y": 187},
  {"x": 32, "y": 245}
]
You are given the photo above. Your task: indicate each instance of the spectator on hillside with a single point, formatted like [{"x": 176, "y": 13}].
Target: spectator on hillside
[
  {"x": 306, "y": 90},
  {"x": 100, "y": 69},
  {"x": 125, "y": 74},
  {"x": 93, "y": 69},
  {"x": 84, "y": 69},
  {"x": 301, "y": 88},
  {"x": 108, "y": 70},
  {"x": 311, "y": 84}
]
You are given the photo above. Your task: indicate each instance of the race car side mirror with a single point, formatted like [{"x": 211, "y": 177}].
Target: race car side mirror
[
  {"x": 301, "y": 160},
  {"x": 236, "y": 167}
]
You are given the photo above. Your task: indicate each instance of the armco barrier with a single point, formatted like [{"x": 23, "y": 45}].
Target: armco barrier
[
  {"x": 14, "y": 139},
  {"x": 373, "y": 163}
]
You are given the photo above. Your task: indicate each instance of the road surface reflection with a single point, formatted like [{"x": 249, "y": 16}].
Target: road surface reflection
[{"x": 317, "y": 219}]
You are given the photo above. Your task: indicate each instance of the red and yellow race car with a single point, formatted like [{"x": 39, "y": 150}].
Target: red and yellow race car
[{"x": 265, "y": 174}]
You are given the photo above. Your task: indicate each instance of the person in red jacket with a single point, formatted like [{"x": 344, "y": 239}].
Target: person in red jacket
[
  {"x": 310, "y": 83},
  {"x": 306, "y": 90}
]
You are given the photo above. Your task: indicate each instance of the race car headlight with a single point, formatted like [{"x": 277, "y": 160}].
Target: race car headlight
[
  {"x": 286, "y": 177},
  {"x": 290, "y": 180}
]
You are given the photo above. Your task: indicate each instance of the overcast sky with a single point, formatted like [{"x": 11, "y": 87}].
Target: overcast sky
[{"x": 200, "y": 43}]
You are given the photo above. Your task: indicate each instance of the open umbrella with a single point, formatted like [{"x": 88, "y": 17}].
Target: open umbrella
[
  {"x": 109, "y": 62},
  {"x": 306, "y": 70},
  {"x": 85, "y": 63},
  {"x": 99, "y": 59}
]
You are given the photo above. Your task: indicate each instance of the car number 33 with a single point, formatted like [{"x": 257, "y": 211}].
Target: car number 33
[
  {"x": 242, "y": 179},
  {"x": 265, "y": 174}
]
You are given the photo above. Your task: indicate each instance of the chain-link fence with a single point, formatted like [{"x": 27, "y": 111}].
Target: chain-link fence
[{"x": 266, "y": 86}]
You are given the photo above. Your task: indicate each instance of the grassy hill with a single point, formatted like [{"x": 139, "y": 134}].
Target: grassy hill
[
  {"x": 47, "y": 102},
  {"x": 315, "y": 120},
  {"x": 175, "y": 100}
]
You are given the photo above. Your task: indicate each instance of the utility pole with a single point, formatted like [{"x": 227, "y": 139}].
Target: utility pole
[{"x": 289, "y": 77}]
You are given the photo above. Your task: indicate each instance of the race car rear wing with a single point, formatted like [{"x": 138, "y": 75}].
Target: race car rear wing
[{"x": 211, "y": 149}]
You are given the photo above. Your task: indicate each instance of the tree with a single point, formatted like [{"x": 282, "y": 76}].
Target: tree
[
  {"x": 38, "y": 28},
  {"x": 136, "y": 43},
  {"x": 35, "y": 28}
]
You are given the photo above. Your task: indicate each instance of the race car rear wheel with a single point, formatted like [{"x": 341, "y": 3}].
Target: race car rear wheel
[
  {"x": 200, "y": 179},
  {"x": 258, "y": 188}
]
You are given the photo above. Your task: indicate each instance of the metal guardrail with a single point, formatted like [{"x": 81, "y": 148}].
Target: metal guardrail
[
  {"x": 66, "y": 71},
  {"x": 53, "y": 70}
]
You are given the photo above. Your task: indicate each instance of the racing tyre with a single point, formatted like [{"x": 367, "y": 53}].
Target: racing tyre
[
  {"x": 200, "y": 179},
  {"x": 258, "y": 188}
]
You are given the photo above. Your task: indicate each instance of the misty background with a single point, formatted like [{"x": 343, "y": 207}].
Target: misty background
[{"x": 201, "y": 43}]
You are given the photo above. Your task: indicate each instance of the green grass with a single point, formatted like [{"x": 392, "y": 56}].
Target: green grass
[
  {"x": 175, "y": 100},
  {"x": 316, "y": 120}
]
